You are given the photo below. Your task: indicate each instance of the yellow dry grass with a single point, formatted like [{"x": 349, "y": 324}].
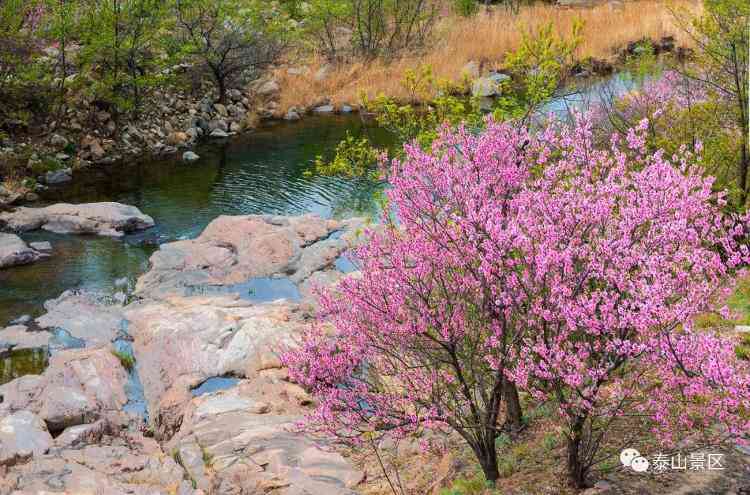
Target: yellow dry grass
[{"x": 485, "y": 38}]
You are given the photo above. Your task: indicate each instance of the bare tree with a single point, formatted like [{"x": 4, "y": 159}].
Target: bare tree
[{"x": 232, "y": 37}]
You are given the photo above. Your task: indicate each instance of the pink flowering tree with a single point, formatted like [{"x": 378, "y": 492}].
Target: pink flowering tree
[
  {"x": 533, "y": 261},
  {"x": 622, "y": 248}
]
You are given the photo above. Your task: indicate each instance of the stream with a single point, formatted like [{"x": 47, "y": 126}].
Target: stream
[
  {"x": 258, "y": 173},
  {"x": 262, "y": 172}
]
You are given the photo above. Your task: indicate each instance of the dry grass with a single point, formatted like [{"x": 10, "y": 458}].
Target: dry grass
[{"x": 486, "y": 38}]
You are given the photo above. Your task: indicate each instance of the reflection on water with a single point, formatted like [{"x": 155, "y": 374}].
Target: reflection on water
[
  {"x": 257, "y": 290},
  {"x": 21, "y": 362},
  {"x": 262, "y": 172},
  {"x": 215, "y": 384}
]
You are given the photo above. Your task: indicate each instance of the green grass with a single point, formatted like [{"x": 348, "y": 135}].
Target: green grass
[{"x": 127, "y": 360}]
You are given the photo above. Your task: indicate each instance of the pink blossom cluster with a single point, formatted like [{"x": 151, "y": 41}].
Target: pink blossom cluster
[
  {"x": 665, "y": 95},
  {"x": 569, "y": 268}
]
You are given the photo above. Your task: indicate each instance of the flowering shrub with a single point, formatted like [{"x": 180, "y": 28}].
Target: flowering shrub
[
  {"x": 538, "y": 262},
  {"x": 683, "y": 110}
]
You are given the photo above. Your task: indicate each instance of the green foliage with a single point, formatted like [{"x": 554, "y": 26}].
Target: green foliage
[
  {"x": 722, "y": 42},
  {"x": 537, "y": 67},
  {"x": 353, "y": 158},
  {"x": 127, "y": 360},
  {"x": 23, "y": 91},
  {"x": 475, "y": 485},
  {"x": 466, "y": 8},
  {"x": 550, "y": 441}
]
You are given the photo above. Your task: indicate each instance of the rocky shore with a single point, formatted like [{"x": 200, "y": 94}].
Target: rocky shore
[{"x": 197, "y": 343}]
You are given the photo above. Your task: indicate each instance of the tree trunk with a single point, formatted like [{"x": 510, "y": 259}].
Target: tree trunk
[
  {"x": 743, "y": 169},
  {"x": 742, "y": 172},
  {"x": 222, "y": 90},
  {"x": 576, "y": 469},
  {"x": 513, "y": 413},
  {"x": 487, "y": 456}
]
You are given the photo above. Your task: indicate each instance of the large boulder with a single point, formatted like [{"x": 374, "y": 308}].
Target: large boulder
[
  {"x": 233, "y": 249},
  {"x": 117, "y": 464},
  {"x": 84, "y": 316},
  {"x": 182, "y": 341},
  {"x": 108, "y": 219},
  {"x": 78, "y": 386},
  {"x": 489, "y": 86},
  {"x": 22, "y": 435},
  {"x": 238, "y": 432},
  {"x": 20, "y": 337},
  {"x": 14, "y": 251}
]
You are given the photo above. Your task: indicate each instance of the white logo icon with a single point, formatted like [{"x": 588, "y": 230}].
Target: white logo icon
[{"x": 632, "y": 458}]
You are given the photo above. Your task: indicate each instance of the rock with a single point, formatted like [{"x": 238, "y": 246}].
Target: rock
[
  {"x": 471, "y": 69},
  {"x": 65, "y": 406},
  {"x": 177, "y": 138},
  {"x": 190, "y": 156},
  {"x": 81, "y": 434},
  {"x": 24, "y": 319},
  {"x": 219, "y": 134},
  {"x": 323, "y": 109},
  {"x": 14, "y": 251},
  {"x": 109, "y": 219},
  {"x": 490, "y": 85},
  {"x": 742, "y": 328},
  {"x": 95, "y": 147},
  {"x": 292, "y": 114},
  {"x": 180, "y": 342},
  {"x": 86, "y": 382},
  {"x": 118, "y": 465},
  {"x": 235, "y": 94},
  {"x": 268, "y": 89},
  {"x": 58, "y": 141},
  {"x": 58, "y": 176},
  {"x": 190, "y": 456},
  {"x": 233, "y": 249},
  {"x": 41, "y": 246},
  {"x": 221, "y": 109},
  {"x": 18, "y": 336},
  {"x": 22, "y": 435},
  {"x": 346, "y": 109},
  {"x": 84, "y": 317},
  {"x": 238, "y": 440}
]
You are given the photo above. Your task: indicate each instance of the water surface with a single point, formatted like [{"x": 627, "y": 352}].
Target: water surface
[{"x": 259, "y": 173}]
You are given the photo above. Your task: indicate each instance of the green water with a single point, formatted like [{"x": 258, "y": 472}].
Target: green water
[
  {"x": 14, "y": 364},
  {"x": 262, "y": 172}
]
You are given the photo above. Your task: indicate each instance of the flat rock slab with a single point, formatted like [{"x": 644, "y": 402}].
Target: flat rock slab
[
  {"x": 106, "y": 219},
  {"x": 78, "y": 386},
  {"x": 234, "y": 249},
  {"x": 22, "y": 435},
  {"x": 14, "y": 251},
  {"x": 85, "y": 316},
  {"x": 238, "y": 432},
  {"x": 20, "y": 337},
  {"x": 180, "y": 342},
  {"x": 123, "y": 464}
]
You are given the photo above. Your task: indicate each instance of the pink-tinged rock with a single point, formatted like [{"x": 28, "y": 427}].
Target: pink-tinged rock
[
  {"x": 107, "y": 219},
  {"x": 181, "y": 341},
  {"x": 84, "y": 316},
  {"x": 14, "y": 251},
  {"x": 22, "y": 435},
  {"x": 233, "y": 249},
  {"x": 79, "y": 386}
]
